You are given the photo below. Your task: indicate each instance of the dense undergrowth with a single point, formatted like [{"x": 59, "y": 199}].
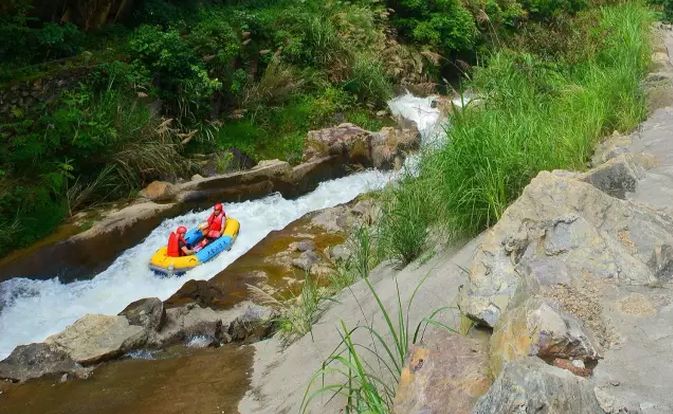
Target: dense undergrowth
[
  {"x": 250, "y": 75},
  {"x": 540, "y": 109}
]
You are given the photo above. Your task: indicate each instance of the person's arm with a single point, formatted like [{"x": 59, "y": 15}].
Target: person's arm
[{"x": 187, "y": 251}]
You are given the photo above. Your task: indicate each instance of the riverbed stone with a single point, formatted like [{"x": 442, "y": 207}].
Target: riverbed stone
[
  {"x": 148, "y": 313},
  {"x": 538, "y": 328},
  {"x": 96, "y": 338},
  {"x": 532, "y": 386},
  {"x": 447, "y": 373},
  {"x": 306, "y": 260},
  {"x": 37, "y": 360},
  {"x": 186, "y": 322},
  {"x": 255, "y": 324}
]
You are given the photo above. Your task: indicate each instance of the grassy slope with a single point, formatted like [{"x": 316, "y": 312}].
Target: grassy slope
[{"x": 537, "y": 115}]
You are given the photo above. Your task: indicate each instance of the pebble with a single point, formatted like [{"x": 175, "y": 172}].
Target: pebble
[
  {"x": 578, "y": 363},
  {"x": 615, "y": 383}
]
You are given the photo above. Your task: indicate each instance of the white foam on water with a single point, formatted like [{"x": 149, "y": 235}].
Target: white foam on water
[{"x": 31, "y": 310}]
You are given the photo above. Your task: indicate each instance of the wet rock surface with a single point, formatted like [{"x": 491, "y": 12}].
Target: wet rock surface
[
  {"x": 148, "y": 313},
  {"x": 385, "y": 149},
  {"x": 37, "y": 360}
]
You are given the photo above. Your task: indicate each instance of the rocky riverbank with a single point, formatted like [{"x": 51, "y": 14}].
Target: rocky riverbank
[
  {"x": 569, "y": 292},
  {"x": 202, "y": 313},
  {"x": 330, "y": 153}
]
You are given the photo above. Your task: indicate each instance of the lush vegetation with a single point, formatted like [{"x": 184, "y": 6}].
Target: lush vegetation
[
  {"x": 540, "y": 109},
  {"x": 128, "y": 96}
]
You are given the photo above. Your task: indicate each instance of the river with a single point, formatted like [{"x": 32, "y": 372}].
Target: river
[{"x": 31, "y": 310}]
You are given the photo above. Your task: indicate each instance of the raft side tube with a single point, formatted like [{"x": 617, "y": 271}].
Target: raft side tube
[{"x": 223, "y": 243}]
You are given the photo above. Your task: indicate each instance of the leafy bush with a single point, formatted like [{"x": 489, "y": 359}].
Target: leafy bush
[
  {"x": 178, "y": 73},
  {"x": 34, "y": 43},
  {"x": 446, "y": 25}
]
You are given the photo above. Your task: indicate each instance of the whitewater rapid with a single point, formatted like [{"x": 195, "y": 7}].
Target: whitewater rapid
[{"x": 31, "y": 310}]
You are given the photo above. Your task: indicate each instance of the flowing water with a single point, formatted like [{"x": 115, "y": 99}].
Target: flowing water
[{"x": 31, "y": 310}]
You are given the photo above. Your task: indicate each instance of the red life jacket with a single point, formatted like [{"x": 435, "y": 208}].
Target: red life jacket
[
  {"x": 173, "y": 247},
  {"x": 215, "y": 222}
]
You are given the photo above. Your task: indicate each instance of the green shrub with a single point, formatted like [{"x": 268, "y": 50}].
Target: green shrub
[
  {"x": 666, "y": 8},
  {"x": 446, "y": 25},
  {"x": 179, "y": 74}
]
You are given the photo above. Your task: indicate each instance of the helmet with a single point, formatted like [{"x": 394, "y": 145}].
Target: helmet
[
  {"x": 217, "y": 207},
  {"x": 182, "y": 230}
]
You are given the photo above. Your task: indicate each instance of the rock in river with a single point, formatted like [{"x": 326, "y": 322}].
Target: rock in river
[
  {"x": 148, "y": 313},
  {"x": 95, "y": 338},
  {"x": 37, "y": 360}
]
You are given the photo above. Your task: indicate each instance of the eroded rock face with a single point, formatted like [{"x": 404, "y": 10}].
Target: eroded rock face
[
  {"x": 563, "y": 231},
  {"x": 538, "y": 328},
  {"x": 148, "y": 313},
  {"x": 38, "y": 360},
  {"x": 446, "y": 374},
  {"x": 531, "y": 386},
  {"x": 96, "y": 338},
  {"x": 384, "y": 149}
]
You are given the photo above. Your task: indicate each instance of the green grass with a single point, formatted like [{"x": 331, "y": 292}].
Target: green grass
[
  {"x": 366, "y": 365},
  {"x": 536, "y": 115}
]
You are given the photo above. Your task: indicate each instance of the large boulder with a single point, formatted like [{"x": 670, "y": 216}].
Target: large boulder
[
  {"x": 95, "y": 338},
  {"x": 537, "y": 328},
  {"x": 244, "y": 322},
  {"x": 187, "y": 322},
  {"x": 385, "y": 149},
  {"x": 390, "y": 145},
  {"x": 445, "y": 374},
  {"x": 38, "y": 360},
  {"x": 563, "y": 231},
  {"x": 148, "y": 313},
  {"x": 159, "y": 191},
  {"x": 531, "y": 386}
]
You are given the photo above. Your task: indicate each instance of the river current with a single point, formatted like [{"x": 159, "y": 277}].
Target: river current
[{"x": 31, "y": 310}]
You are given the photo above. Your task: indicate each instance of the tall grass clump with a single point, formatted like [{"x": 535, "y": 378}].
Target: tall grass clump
[
  {"x": 535, "y": 114},
  {"x": 366, "y": 365}
]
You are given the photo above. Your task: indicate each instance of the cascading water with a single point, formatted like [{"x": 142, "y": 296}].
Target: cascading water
[{"x": 31, "y": 310}]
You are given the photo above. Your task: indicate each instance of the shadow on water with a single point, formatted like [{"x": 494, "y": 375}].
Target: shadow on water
[{"x": 198, "y": 381}]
